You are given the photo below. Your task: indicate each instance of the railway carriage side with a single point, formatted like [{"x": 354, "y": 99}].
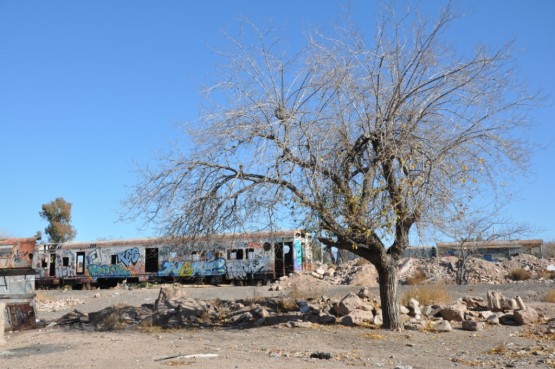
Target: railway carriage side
[{"x": 251, "y": 258}]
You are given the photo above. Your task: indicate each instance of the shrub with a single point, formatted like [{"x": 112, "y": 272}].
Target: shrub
[
  {"x": 549, "y": 296},
  {"x": 546, "y": 274},
  {"x": 427, "y": 294},
  {"x": 361, "y": 262},
  {"x": 416, "y": 278},
  {"x": 520, "y": 274}
]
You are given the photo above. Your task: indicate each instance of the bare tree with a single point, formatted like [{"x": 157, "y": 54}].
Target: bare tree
[
  {"x": 479, "y": 230},
  {"x": 362, "y": 139}
]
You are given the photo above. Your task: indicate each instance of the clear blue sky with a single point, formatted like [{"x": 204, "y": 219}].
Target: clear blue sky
[{"x": 90, "y": 87}]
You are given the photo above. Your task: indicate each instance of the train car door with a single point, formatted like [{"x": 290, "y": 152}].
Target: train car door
[
  {"x": 278, "y": 257},
  {"x": 283, "y": 258},
  {"x": 151, "y": 262},
  {"x": 52, "y": 271},
  {"x": 80, "y": 264},
  {"x": 288, "y": 257}
]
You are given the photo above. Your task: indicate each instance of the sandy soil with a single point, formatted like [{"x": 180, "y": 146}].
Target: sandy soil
[{"x": 277, "y": 346}]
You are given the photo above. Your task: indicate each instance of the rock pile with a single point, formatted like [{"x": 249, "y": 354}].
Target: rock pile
[
  {"x": 359, "y": 272},
  {"x": 43, "y": 304},
  {"x": 173, "y": 309}
]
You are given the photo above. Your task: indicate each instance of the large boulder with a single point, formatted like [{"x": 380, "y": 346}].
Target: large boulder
[
  {"x": 358, "y": 317},
  {"x": 167, "y": 296},
  {"x": 526, "y": 316},
  {"x": 454, "y": 312},
  {"x": 350, "y": 303}
]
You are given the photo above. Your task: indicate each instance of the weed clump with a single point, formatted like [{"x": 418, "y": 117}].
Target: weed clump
[
  {"x": 417, "y": 278},
  {"x": 520, "y": 274},
  {"x": 549, "y": 296},
  {"x": 427, "y": 294}
]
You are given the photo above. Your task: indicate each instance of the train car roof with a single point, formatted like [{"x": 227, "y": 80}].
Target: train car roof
[{"x": 180, "y": 240}]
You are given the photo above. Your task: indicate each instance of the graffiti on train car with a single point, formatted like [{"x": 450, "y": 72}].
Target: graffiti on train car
[
  {"x": 298, "y": 255},
  {"x": 103, "y": 271},
  {"x": 65, "y": 264},
  {"x": 197, "y": 268},
  {"x": 111, "y": 262},
  {"x": 129, "y": 256},
  {"x": 241, "y": 269}
]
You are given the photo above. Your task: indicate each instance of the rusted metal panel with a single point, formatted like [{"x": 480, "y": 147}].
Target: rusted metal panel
[
  {"x": 17, "y": 252},
  {"x": 17, "y": 282},
  {"x": 20, "y": 316}
]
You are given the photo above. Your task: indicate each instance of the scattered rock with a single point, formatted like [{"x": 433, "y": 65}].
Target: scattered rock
[
  {"x": 442, "y": 326},
  {"x": 526, "y": 316},
  {"x": 454, "y": 312},
  {"x": 471, "y": 325}
]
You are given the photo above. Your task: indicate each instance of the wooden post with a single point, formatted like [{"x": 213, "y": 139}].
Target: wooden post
[{"x": 2, "y": 319}]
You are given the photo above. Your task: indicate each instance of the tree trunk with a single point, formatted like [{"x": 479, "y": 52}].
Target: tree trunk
[{"x": 388, "y": 295}]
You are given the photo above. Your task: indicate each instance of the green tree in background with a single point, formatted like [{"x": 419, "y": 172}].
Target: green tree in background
[{"x": 58, "y": 214}]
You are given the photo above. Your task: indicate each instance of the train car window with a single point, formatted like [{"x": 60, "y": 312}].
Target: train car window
[
  {"x": 239, "y": 254},
  {"x": 65, "y": 261},
  {"x": 195, "y": 256},
  {"x": 267, "y": 246},
  {"x": 80, "y": 265},
  {"x": 250, "y": 254},
  {"x": 6, "y": 251},
  {"x": 231, "y": 254},
  {"x": 44, "y": 262},
  {"x": 114, "y": 259}
]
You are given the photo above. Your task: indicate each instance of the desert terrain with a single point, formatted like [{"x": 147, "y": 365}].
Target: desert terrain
[{"x": 230, "y": 334}]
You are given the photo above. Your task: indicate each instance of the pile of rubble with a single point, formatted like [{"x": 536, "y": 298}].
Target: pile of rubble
[
  {"x": 443, "y": 270},
  {"x": 44, "y": 304},
  {"x": 173, "y": 309}
]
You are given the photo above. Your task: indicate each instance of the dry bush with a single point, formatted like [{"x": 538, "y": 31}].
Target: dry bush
[
  {"x": 427, "y": 294},
  {"x": 361, "y": 262},
  {"x": 287, "y": 304},
  {"x": 417, "y": 278},
  {"x": 41, "y": 297},
  {"x": 546, "y": 274},
  {"x": 549, "y": 296},
  {"x": 520, "y": 274}
]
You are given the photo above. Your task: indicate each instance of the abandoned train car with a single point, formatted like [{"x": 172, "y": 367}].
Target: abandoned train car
[{"x": 249, "y": 257}]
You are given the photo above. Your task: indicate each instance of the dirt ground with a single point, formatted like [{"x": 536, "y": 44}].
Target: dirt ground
[{"x": 274, "y": 346}]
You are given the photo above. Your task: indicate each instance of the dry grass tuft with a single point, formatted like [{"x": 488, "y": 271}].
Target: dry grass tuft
[
  {"x": 361, "y": 262},
  {"x": 427, "y": 294},
  {"x": 287, "y": 304},
  {"x": 546, "y": 274},
  {"x": 41, "y": 297},
  {"x": 374, "y": 336},
  {"x": 549, "y": 296},
  {"x": 416, "y": 278},
  {"x": 501, "y": 349},
  {"x": 520, "y": 274}
]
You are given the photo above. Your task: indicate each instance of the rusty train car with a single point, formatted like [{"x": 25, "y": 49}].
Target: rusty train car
[
  {"x": 225, "y": 258},
  {"x": 17, "y": 282}
]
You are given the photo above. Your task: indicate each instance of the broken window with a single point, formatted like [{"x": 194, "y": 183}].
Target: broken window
[
  {"x": 6, "y": 251},
  {"x": 250, "y": 254},
  {"x": 114, "y": 259},
  {"x": 80, "y": 266},
  {"x": 65, "y": 261},
  {"x": 239, "y": 254}
]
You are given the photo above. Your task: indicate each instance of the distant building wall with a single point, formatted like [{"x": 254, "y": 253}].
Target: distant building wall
[
  {"x": 17, "y": 282},
  {"x": 493, "y": 250}
]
